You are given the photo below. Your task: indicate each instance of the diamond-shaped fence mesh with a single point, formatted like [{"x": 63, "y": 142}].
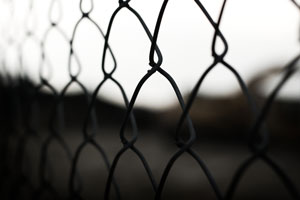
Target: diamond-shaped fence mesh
[{"x": 54, "y": 146}]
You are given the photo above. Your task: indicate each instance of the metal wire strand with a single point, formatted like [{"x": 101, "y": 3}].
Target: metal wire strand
[{"x": 20, "y": 101}]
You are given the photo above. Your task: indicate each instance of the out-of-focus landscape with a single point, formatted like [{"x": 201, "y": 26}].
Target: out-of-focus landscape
[{"x": 222, "y": 125}]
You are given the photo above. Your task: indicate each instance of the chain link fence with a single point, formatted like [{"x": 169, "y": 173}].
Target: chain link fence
[{"x": 39, "y": 158}]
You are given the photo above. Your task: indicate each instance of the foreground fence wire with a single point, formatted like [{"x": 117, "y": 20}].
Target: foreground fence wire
[{"x": 20, "y": 104}]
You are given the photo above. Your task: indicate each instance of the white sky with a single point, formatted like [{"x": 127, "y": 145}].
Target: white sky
[{"x": 260, "y": 33}]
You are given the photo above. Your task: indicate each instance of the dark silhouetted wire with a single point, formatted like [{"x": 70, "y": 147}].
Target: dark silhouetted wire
[{"x": 20, "y": 112}]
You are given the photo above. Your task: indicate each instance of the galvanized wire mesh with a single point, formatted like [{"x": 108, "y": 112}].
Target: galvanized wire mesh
[{"x": 20, "y": 101}]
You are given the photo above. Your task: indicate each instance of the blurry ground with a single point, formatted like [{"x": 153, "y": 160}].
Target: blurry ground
[
  {"x": 221, "y": 125},
  {"x": 186, "y": 180}
]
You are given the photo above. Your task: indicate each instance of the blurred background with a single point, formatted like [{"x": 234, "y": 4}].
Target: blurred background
[{"x": 263, "y": 36}]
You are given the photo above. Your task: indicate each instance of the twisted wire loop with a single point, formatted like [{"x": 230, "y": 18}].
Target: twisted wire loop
[
  {"x": 91, "y": 118},
  {"x": 129, "y": 117},
  {"x": 259, "y": 148},
  {"x": 263, "y": 140},
  {"x": 89, "y": 138},
  {"x": 185, "y": 146},
  {"x": 56, "y": 117},
  {"x": 19, "y": 102},
  {"x": 260, "y": 152}
]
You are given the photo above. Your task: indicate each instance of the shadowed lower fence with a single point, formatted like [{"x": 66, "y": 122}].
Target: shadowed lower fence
[{"x": 36, "y": 146}]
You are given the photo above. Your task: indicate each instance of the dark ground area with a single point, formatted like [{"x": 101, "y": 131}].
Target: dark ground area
[{"x": 221, "y": 126}]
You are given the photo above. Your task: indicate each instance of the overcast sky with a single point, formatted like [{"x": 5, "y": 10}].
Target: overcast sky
[{"x": 260, "y": 33}]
